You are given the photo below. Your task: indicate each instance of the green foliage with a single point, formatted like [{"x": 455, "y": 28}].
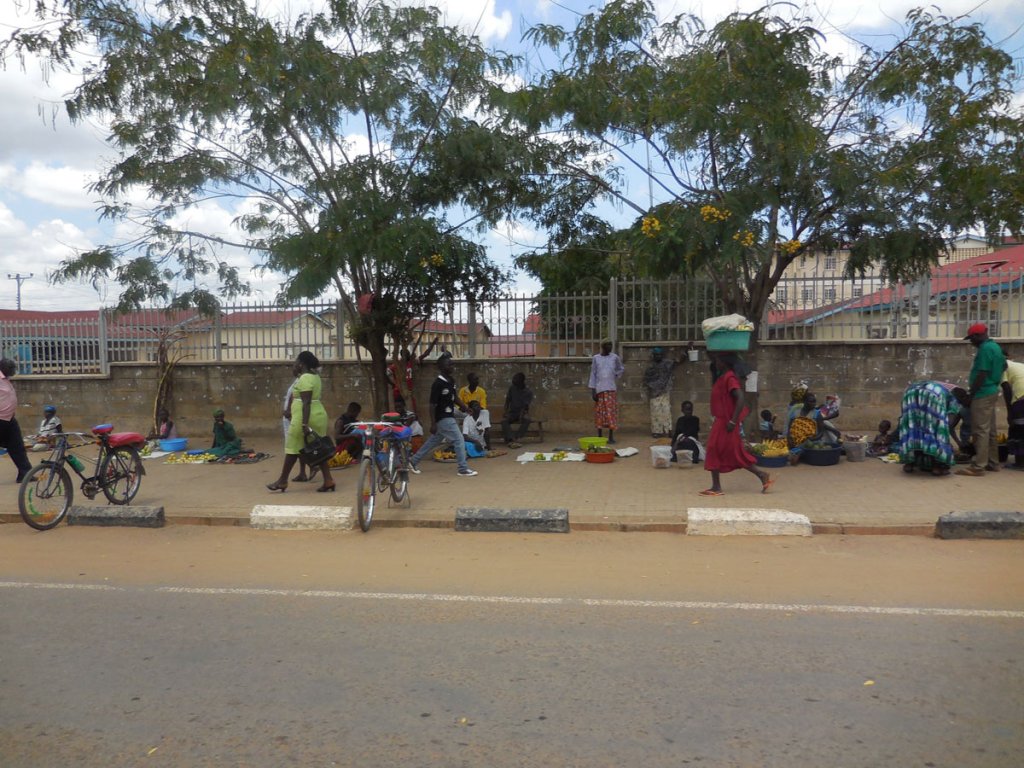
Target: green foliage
[
  {"x": 364, "y": 138},
  {"x": 797, "y": 150}
]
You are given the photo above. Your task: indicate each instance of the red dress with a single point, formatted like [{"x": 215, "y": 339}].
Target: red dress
[{"x": 725, "y": 451}]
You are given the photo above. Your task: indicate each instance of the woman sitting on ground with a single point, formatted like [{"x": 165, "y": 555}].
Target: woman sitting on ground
[
  {"x": 808, "y": 426},
  {"x": 225, "y": 441}
]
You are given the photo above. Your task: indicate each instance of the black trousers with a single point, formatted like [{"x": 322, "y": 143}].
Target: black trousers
[{"x": 11, "y": 439}]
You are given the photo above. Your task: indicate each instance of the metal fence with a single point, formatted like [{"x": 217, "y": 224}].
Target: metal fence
[{"x": 631, "y": 311}]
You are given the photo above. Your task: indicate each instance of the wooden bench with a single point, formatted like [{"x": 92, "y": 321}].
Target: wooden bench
[{"x": 536, "y": 430}]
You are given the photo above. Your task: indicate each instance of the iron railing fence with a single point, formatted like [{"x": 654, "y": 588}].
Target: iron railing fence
[
  {"x": 941, "y": 306},
  {"x": 521, "y": 326}
]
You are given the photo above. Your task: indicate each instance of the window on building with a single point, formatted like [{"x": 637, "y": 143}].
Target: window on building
[
  {"x": 830, "y": 294},
  {"x": 807, "y": 295},
  {"x": 857, "y": 293},
  {"x": 831, "y": 262},
  {"x": 781, "y": 296}
]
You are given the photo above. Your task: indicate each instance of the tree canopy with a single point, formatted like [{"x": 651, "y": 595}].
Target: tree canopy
[
  {"x": 362, "y": 140},
  {"x": 758, "y": 146}
]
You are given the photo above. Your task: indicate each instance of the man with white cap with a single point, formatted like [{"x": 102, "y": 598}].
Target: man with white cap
[{"x": 986, "y": 373}]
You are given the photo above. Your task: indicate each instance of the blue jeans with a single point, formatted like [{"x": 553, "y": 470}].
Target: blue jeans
[{"x": 447, "y": 431}]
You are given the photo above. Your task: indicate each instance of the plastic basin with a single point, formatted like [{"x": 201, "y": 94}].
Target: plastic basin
[
  {"x": 728, "y": 341},
  {"x": 175, "y": 444},
  {"x": 820, "y": 457},
  {"x": 600, "y": 458},
  {"x": 772, "y": 461},
  {"x": 592, "y": 442}
]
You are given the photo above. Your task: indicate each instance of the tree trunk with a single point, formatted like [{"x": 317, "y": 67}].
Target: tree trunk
[{"x": 375, "y": 345}]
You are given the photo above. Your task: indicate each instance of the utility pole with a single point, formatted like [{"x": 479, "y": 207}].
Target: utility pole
[{"x": 21, "y": 279}]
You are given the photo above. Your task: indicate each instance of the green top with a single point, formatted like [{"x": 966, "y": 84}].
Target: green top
[{"x": 990, "y": 360}]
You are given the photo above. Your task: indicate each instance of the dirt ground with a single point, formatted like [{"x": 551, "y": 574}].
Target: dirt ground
[{"x": 629, "y": 492}]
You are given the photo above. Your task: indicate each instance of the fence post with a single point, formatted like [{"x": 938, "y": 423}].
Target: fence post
[
  {"x": 472, "y": 329},
  {"x": 924, "y": 289},
  {"x": 101, "y": 327},
  {"x": 216, "y": 335},
  {"x": 613, "y": 311},
  {"x": 341, "y": 330}
]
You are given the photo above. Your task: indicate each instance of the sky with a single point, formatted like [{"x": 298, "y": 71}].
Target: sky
[{"x": 47, "y": 163}]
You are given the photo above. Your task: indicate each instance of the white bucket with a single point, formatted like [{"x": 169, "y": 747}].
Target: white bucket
[
  {"x": 684, "y": 459},
  {"x": 693, "y": 355},
  {"x": 751, "y": 384},
  {"x": 661, "y": 456}
]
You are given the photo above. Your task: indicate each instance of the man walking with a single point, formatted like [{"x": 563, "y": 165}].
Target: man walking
[
  {"x": 443, "y": 427},
  {"x": 986, "y": 373}
]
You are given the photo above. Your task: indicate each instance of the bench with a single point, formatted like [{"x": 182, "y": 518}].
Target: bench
[{"x": 536, "y": 430}]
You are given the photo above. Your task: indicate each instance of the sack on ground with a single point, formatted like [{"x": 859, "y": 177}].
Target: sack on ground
[{"x": 317, "y": 449}]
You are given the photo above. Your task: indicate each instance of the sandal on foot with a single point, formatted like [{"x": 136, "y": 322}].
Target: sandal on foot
[
  {"x": 767, "y": 483},
  {"x": 711, "y": 492}
]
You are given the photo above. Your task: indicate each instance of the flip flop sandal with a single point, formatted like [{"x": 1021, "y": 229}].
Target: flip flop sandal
[
  {"x": 768, "y": 483},
  {"x": 711, "y": 492}
]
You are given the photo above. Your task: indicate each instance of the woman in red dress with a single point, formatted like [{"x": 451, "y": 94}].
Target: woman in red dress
[{"x": 725, "y": 451}]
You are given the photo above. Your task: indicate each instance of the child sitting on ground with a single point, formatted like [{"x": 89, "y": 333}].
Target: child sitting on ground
[
  {"x": 767, "y": 425},
  {"x": 881, "y": 444}
]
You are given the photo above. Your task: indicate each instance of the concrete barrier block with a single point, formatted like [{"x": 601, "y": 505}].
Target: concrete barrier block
[
  {"x": 727, "y": 521},
  {"x": 519, "y": 520},
  {"x": 981, "y": 525},
  {"x": 134, "y": 517},
  {"x": 300, "y": 518}
]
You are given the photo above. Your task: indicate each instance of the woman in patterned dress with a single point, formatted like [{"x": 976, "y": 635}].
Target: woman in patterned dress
[{"x": 929, "y": 414}]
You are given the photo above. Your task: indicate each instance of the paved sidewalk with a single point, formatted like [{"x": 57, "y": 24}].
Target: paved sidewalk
[{"x": 851, "y": 497}]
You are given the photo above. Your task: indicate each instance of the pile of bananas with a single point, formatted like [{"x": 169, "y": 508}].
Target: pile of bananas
[
  {"x": 340, "y": 459},
  {"x": 769, "y": 448},
  {"x": 444, "y": 455},
  {"x": 801, "y": 429},
  {"x": 184, "y": 458}
]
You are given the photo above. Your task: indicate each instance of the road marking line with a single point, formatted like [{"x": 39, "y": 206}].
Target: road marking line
[{"x": 876, "y": 610}]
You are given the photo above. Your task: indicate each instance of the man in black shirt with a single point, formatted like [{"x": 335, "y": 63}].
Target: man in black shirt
[
  {"x": 443, "y": 427},
  {"x": 517, "y": 409}
]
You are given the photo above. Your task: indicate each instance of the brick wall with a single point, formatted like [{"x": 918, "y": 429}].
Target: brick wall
[{"x": 869, "y": 376}]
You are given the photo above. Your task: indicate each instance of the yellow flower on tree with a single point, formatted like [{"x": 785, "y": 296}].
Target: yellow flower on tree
[
  {"x": 437, "y": 260},
  {"x": 744, "y": 238},
  {"x": 712, "y": 214},
  {"x": 650, "y": 226},
  {"x": 790, "y": 246}
]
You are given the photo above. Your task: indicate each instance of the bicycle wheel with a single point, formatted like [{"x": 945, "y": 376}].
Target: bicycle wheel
[
  {"x": 121, "y": 474},
  {"x": 366, "y": 493},
  {"x": 45, "y": 496},
  {"x": 398, "y": 463}
]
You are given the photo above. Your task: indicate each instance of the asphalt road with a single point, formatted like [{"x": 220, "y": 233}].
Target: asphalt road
[{"x": 195, "y": 647}]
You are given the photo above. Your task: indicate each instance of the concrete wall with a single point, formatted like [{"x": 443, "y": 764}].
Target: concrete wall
[{"x": 869, "y": 376}]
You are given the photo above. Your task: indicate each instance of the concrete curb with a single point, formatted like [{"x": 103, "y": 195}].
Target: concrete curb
[{"x": 583, "y": 526}]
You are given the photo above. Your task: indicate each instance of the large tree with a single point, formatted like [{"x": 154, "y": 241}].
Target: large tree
[
  {"x": 756, "y": 146},
  {"x": 361, "y": 138}
]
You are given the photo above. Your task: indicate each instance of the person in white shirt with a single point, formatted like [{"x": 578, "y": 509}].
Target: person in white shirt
[
  {"x": 476, "y": 426},
  {"x": 48, "y": 427}
]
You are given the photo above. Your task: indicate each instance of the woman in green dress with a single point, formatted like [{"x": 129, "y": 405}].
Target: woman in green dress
[
  {"x": 308, "y": 415},
  {"x": 225, "y": 441}
]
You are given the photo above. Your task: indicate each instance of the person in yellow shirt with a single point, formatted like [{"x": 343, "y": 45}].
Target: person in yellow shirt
[
  {"x": 473, "y": 391},
  {"x": 1013, "y": 395}
]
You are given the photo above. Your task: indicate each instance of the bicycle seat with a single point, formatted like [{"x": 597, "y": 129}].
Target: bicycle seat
[
  {"x": 126, "y": 438},
  {"x": 103, "y": 429}
]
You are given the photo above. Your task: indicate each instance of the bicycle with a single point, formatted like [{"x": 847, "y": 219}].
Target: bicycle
[
  {"x": 46, "y": 493},
  {"x": 384, "y": 465}
]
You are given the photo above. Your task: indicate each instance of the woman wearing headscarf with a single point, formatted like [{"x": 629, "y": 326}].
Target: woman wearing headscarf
[
  {"x": 226, "y": 441},
  {"x": 724, "y": 451},
  {"x": 307, "y": 416}
]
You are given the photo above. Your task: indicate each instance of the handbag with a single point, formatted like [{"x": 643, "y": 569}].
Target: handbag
[{"x": 317, "y": 449}]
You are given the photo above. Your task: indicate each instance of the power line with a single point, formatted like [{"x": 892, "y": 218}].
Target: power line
[{"x": 21, "y": 279}]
